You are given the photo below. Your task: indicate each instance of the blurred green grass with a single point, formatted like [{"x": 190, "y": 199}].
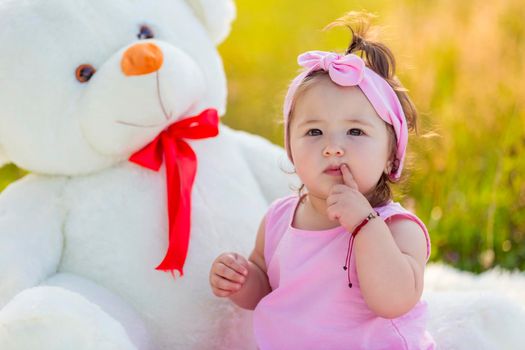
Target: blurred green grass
[{"x": 463, "y": 62}]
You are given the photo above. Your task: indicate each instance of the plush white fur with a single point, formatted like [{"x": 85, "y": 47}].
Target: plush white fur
[
  {"x": 81, "y": 236},
  {"x": 52, "y": 314},
  {"x": 475, "y": 312}
]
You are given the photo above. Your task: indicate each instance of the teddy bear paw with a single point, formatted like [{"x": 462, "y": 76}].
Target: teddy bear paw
[{"x": 55, "y": 318}]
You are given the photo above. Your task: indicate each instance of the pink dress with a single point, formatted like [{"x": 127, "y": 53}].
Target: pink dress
[{"x": 311, "y": 305}]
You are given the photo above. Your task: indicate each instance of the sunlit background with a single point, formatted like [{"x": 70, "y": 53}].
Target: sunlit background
[{"x": 463, "y": 62}]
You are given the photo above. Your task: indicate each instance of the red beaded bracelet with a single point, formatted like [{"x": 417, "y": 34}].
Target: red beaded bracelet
[
  {"x": 358, "y": 228},
  {"x": 364, "y": 222}
]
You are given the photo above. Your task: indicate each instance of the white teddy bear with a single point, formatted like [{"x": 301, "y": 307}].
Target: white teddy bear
[{"x": 84, "y": 85}]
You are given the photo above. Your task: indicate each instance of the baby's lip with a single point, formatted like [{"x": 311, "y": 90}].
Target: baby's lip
[{"x": 333, "y": 168}]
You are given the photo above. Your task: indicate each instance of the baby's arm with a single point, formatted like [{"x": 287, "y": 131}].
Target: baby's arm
[
  {"x": 244, "y": 281},
  {"x": 391, "y": 259}
]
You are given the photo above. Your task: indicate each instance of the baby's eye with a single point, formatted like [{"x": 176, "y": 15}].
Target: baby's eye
[
  {"x": 355, "y": 132},
  {"x": 314, "y": 132}
]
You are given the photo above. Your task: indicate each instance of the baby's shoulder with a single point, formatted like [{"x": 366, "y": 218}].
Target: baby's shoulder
[
  {"x": 281, "y": 205},
  {"x": 395, "y": 210},
  {"x": 392, "y": 209}
]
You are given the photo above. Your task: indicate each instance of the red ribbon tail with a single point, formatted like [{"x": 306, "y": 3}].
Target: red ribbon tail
[
  {"x": 181, "y": 168},
  {"x": 166, "y": 266}
]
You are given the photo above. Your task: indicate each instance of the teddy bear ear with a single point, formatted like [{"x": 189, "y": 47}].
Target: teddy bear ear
[{"x": 216, "y": 15}]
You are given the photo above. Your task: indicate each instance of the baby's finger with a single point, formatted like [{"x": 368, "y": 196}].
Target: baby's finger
[
  {"x": 332, "y": 199},
  {"x": 221, "y": 284},
  {"x": 236, "y": 262},
  {"x": 243, "y": 263},
  {"x": 332, "y": 212},
  {"x": 347, "y": 177},
  {"x": 221, "y": 293},
  {"x": 228, "y": 273},
  {"x": 338, "y": 188}
]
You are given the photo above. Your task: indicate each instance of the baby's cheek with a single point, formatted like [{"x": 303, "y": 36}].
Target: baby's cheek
[{"x": 366, "y": 182}]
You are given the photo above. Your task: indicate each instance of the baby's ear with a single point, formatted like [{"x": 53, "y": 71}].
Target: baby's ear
[
  {"x": 216, "y": 15},
  {"x": 389, "y": 166}
]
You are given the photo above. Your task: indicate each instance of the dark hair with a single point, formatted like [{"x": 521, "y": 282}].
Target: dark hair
[{"x": 378, "y": 57}]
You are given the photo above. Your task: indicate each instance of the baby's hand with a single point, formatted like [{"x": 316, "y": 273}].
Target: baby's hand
[
  {"x": 228, "y": 274},
  {"x": 345, "y": 203}
]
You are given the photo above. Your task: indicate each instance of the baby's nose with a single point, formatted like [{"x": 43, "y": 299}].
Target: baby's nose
[
  {"x": 141, "y": 59},
  {"x": 331, "y": 150}
]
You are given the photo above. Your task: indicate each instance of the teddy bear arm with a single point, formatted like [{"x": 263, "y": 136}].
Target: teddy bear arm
[
  {"x": 49, "y": 317},
  {"x": 30, "y": 233},
  {"x": 268, "y": 163}
]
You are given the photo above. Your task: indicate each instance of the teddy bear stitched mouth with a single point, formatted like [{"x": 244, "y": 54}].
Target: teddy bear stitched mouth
[{"x": 168, "y": 116}]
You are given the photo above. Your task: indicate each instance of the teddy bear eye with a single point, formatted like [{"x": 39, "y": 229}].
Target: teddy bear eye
[
  {"x": 84, "y": 72},
  {"x": 145, "y": 33}
]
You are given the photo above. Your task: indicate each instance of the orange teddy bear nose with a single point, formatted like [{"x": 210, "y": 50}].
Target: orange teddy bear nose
[{"x": 140, "y": 59}]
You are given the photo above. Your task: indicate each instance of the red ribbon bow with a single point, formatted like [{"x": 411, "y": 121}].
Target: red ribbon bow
[{"x": 181, "y": 166}]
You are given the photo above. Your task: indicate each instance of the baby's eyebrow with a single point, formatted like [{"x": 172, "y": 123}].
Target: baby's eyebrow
[
  {"x": 351, "y": 121},
  {"x": 358, "y": 121},
  {"x": 310, "y": 121}
]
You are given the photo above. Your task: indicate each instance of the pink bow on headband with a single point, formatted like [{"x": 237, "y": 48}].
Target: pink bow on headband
[
  {"x": 343, "y": 70},
  {"x": 350, "y": 70}
]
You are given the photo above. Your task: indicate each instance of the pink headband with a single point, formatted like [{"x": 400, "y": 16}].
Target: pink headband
[{"x": 350, "y": 70}]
